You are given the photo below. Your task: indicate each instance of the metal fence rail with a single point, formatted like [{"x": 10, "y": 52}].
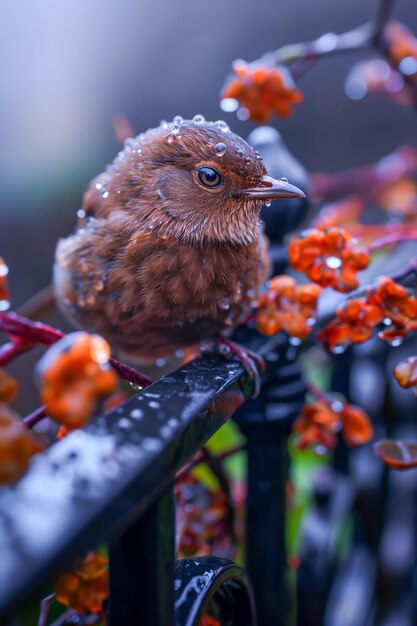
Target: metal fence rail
[{"x": 113, "y": 482}]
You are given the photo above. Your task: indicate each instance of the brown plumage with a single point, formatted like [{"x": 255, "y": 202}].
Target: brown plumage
[{"x": 168, "y": 250}]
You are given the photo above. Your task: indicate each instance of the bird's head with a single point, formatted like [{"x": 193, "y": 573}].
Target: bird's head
[{"x": 191, "y": 180}]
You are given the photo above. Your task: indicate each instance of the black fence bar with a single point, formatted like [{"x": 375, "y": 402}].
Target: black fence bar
[
  {"x": 142, "y": 568},
  {"x": 267, "y": 473},
  {"x": 94, "y": 483},
  {"x": 266, "y": 423}
]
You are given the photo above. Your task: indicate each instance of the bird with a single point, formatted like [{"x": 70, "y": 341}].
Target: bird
[{"x": 169, "y": 251}]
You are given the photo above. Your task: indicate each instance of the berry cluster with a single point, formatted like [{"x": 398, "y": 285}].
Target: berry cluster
[
  {"x": 77, "y": 375},
  {"x": 319, "y": 422},
  {"x": 328, "y": 257},
  {"x": 288, "y": 306},
  {"x": 203, "y": 524},
  {"x": 388, "y": 304},
  {"x": 262, "y": 90},
  {"x": 85, "y": 588}
]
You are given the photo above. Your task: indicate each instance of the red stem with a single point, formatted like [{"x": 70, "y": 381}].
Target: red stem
[
  {"x": 28, "y": 333},
  {"x": 201, "y": 457},
  {"x": 35, "y": 417},
  {"x": 125, "y": 372},
  {"x": 318, "y": 394},
  {"x": 390, "y": 239},
  {"x": 45, "y": 604},
  {"x": 12, "y": 349},
  {"x": 363, "y": 179}
]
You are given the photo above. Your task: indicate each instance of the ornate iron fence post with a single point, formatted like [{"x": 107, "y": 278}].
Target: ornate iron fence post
[{"x": 266, "y": 423}]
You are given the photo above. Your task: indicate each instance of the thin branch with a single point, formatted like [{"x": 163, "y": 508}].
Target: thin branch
[
  {"x": 12, "y": 349},
  {"x": 318, "y": 394},
  {"x": 39, "y": 304},
  {"x": 391, "y": 239},
  {"x": 36, "y": 416},
  {"x": 30, "y": 332},
  {"x": 200, "y": 457},
  {"x": 383, "y": 15},
  {"x": 329, "y": 44},
  {"x": 131, "y": 375},
  {"x": 364, "y": 179},
  {"x": 45, "y": 605}
]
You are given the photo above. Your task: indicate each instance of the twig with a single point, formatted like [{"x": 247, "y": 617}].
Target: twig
[
  {"x": 363, "y": 179},
  {"x": 32, "y": 332},
  {"x": 36, "y": 416},
  {"x": 12, "y": 349},
  {"x": 391, "y": 239},
  {"x": 318, "y": 394},
  {"x": 383, "y": 14},
  {"x": 200, "y": 457},
  {"x": 125, "y": 372},
  {"x": 45, "y": 605},
  {"x": 360, "y": 38},
  {"x": 41, "y": 303}
]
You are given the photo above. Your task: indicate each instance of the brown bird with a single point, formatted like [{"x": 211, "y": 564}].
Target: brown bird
[{"x": 169, "y": 249}]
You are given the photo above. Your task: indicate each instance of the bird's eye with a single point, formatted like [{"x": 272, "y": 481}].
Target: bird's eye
[{"x": 209, "y": 177}]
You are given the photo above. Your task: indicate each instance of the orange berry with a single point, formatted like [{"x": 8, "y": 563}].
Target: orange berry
[
  {"x": 288, "y": 306},
  {"x": 17, "y": 446},
  {"x": 86, "y": 587},
  {"x": 4, "y": 289},
  {"x": 406, "y": 372},
  {"x": 318, "y": 422},
  {"x": 357, "y": 427},
  {"x": 75, "y": 375},
  {"x": 401, "y": 42},
  {"x": 8, "y": 388},
  {"x": 263, "y": 90}
]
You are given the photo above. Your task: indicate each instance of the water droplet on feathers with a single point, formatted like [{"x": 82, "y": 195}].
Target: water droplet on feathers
[{"x": 220, "y": 149}]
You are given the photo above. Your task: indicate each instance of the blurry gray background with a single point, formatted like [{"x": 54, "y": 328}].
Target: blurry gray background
[{"x": 69, "y": 67}]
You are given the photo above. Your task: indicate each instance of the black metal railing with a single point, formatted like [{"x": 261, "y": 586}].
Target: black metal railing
[{"x": 113, "y": 482}]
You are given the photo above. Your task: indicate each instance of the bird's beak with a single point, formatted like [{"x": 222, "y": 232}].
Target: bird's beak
[{"x": 270, "y": 189}]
